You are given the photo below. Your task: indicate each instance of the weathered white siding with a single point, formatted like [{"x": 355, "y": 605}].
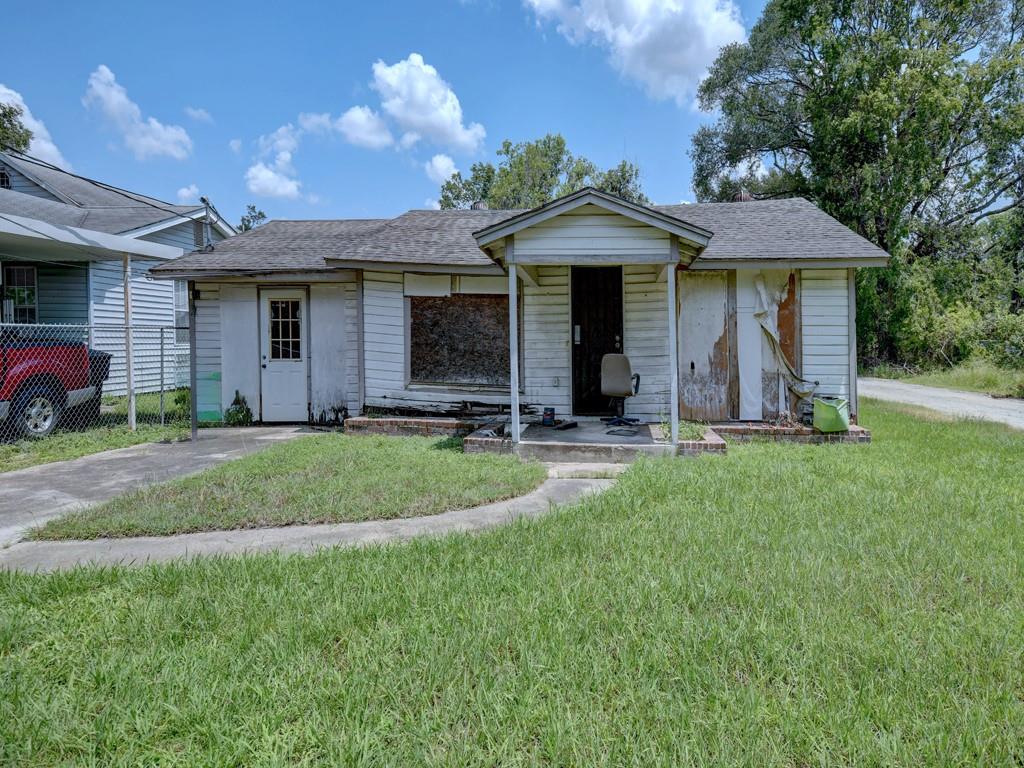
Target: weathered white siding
[
  {"x": 824, "y": 302},
  {"x": 208, "y": 353},
  {"x": 63, "y": 293},
  {"x": 588, "y": 232},
  {"x": 180, "y": 236},
  {"x": 333, "y": 350},
  {"x": 383, "y": 335},
  {"x": 228, "y": 347},
  {"x": 240, "y": 346},
  {"x": 547, "y": 342},
  {"x": 645, "y": 340},
  {"x": 21, "y": 183}
]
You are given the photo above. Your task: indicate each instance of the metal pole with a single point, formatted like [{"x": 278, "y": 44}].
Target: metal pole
[
  {"x": 193, "y": 396},
  {"x": 162, "y": 376},
  {"x": 513, "y": 335},
  {"x": 673, "y": 350},
  {"x": 129, "y": 363}
]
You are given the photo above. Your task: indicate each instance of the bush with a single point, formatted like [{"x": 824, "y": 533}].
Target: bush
[
  {"x": 238, "y": 413},
  {"x": 1002, "y": 340}
]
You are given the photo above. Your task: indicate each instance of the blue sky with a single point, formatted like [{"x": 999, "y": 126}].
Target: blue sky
[{"x": 347, "y": 110}]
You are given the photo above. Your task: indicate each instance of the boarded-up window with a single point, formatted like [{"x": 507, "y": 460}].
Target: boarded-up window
[{"x": 459, "y": 339}]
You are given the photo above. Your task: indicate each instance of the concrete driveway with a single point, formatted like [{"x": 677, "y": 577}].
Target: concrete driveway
[
  {"x": 954, "y": 402},
  {"x": 29, "y": 497}
]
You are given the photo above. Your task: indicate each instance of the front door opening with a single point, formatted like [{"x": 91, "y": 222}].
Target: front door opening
[
  {"x": 283, "y": 355},
  {"x": 596, "y": 331}
]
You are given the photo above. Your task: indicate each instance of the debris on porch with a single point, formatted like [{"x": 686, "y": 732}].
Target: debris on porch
[{"x": 425, "y": 426}]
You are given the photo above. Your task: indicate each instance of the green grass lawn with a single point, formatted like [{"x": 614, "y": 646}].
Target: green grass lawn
[
  {"x": 972, "y": 376},
  {"x": 782, "y": 605},
  {"x": 322, "y": 479}
]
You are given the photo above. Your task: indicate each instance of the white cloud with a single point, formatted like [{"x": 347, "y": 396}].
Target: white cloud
[
  {"x": 365, "y": 128},
  {"x": 144, "y": 137},
  {"x": 235, "y": 145},
  {"x": 432, "y": 204},
  {"x": 189, "y": 194},
  {"x": 316, "y": 122},
  {"x": 667, "y": 45},
  {"x": 274, "y": 175},
  {"x": 439, "y": 168},
  {"x": 423, "y": 105},
  {"x": 265, "y": 181},
  {"x": 42, "y": 145},
  {"x": 199, "y": 114}
]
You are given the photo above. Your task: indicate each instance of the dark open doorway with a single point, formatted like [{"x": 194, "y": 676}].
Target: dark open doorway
[{"x": 596, "y": 331}]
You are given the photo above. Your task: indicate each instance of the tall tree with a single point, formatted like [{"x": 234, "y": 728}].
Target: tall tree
[
  {"x": 532, "y": 173},
  {"x": 896, "y": 117},
  {"x": 903, "y": 119},
  {"x": 252, "y": 218},
  {"x": 13, "y": 134}
]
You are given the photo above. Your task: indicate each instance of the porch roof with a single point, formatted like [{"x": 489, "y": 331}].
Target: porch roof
[{"x": 27, "y": 239}]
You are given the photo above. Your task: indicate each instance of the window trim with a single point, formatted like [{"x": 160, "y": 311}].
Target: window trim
[
  {"x": 35, "y": 293},
  {"x": 6, "y": 182}
]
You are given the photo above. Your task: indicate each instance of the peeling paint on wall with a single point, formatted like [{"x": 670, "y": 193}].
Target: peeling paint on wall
[{"x": 704, "y": 346}]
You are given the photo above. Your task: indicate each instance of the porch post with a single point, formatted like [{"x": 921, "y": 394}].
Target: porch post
[
  {"x": 673, "y": 345},
  {"x": 513, "y": 334},
  {"x": 128, "y": 351}
]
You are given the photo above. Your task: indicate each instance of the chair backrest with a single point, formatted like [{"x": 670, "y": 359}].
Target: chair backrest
[{"x": 616, "y": 376}]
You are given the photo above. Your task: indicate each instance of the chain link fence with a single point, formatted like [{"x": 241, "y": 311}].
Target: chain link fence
[{"x": 59, "y": 378}]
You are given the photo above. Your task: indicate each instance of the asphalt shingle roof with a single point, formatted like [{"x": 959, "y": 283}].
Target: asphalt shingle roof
[
  {"x": 88, "y": 206},
  {"x": 792, "y": 229}
]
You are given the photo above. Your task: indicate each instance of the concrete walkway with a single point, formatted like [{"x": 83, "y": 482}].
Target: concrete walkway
[
  {"x": 58, "y": 555},
  {"x": 29, "y": 497},
  {"x": 954, "y": 402}
]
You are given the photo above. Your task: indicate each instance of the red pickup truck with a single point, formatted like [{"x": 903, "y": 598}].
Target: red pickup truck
[{"x": 44, "y": 379}]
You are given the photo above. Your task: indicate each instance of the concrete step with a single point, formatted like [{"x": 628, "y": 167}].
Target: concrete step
[{"x": 580, "y": 471}]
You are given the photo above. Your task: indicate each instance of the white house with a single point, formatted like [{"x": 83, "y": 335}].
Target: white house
[
  {"x": 65, "y": 245},
  {"x": 726, "y": 310}
]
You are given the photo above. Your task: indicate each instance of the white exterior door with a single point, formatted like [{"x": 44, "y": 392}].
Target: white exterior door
[{"x": 284, "y": 355}]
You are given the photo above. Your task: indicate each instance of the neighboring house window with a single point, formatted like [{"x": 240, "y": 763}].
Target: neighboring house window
[
  {"x": 5, "y": 179},
  {"x": 19, "y": 295},
  {"x": 198, "y": 235},
  {"x": 459, "y": 339},
  {"x": 181, "y": 311}
]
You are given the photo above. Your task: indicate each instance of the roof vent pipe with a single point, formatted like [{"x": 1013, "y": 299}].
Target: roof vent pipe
[{"x": 479, "y": 205}]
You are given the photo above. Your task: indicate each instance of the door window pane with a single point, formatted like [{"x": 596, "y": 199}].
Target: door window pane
[{"x": 285, "y": 330}]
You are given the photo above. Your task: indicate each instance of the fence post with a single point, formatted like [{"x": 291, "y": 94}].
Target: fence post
[
  {"x": 162, "y": 377},
  {"x": 128, "y": 351},
  {"x": 193, "y": 395}
]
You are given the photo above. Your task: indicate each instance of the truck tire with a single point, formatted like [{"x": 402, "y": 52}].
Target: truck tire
[{"x": 36, "y": 411}]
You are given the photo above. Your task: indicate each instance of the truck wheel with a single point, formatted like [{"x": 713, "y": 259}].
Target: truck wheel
[{"x": 36, "y": 412}]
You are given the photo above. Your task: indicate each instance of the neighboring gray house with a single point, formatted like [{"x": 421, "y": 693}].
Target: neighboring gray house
[
  {"x": 726, "y": 310},
  {"x": 65, "y": 243}
]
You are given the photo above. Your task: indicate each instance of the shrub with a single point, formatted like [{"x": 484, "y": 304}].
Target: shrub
[
  {"x": 238, "y": 414},
  {"x": 1002, "y": 339}
]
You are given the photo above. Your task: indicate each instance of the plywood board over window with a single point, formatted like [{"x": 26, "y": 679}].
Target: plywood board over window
[{"x": 460, "y": 339}]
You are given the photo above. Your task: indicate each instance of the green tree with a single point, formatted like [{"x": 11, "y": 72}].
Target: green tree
[
  {"x": 13, "y": 134},
  {"x": 532, "y": 173},
  {"x": 903, "y": 119},
  {"x": 252, "y": 218}
]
